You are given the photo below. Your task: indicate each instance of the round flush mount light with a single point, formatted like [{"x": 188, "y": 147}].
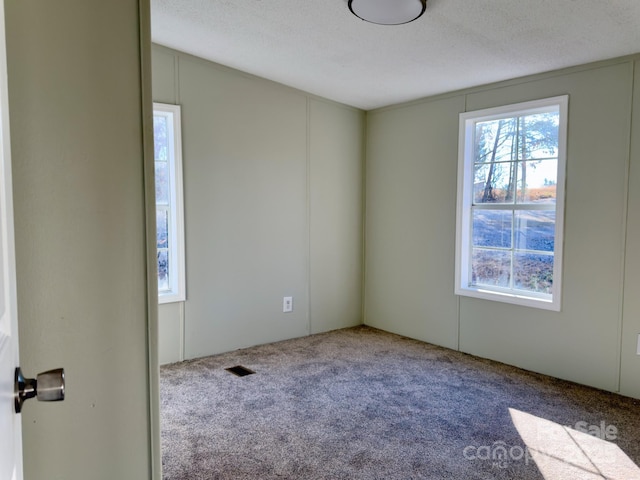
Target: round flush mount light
[{"x": 388, "y": 12}]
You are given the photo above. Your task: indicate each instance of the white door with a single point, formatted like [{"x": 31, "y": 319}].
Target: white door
[{"x": 10, "y": 429}]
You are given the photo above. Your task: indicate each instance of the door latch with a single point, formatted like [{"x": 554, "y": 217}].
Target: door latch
[{"x": 47, "y": 387}]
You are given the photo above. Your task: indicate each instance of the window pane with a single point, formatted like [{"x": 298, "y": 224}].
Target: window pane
[
  {"x": 533, "y": 272},
  {"x": 535, "y": 230},
  {"x": 492, "y": 228},
  {"x": 494, "y": 182},
  {"x": 162, "y": 228},
  {"x": 490, "y": 267},
  {"x": 537, "y": 181},
  {"x": 163, "y": 270},
  {"x": 163, "y": 183},
  {"x": 160, "y": 139},
  {"x": 495, "y": 140},
  {"x": 539, "y": 135}
]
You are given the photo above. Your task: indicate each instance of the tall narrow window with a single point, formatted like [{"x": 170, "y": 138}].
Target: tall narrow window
[
  {"x": 511, "y": 203},
  {"x": 169, "y": 209}
]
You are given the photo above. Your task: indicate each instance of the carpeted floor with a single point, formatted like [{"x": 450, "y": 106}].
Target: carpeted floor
[{"x": 364, "y": 404}]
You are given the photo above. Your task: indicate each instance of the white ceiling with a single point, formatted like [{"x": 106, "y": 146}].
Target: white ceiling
[{"x": 320, "y": 47}]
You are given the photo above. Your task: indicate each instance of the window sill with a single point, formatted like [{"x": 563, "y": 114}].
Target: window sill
[
  {"x": 522, "y": 300},
  {"x": 170, "y": 298}
]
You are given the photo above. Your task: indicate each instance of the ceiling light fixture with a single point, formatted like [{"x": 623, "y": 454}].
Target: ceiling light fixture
[{"x": 388, "y": 12}]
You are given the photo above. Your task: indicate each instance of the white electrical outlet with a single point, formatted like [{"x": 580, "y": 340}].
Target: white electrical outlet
[{"x": 287, "y": 304}]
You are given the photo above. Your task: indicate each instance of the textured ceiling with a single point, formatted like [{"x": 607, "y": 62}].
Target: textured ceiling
[{"x": 320, "y": 47}]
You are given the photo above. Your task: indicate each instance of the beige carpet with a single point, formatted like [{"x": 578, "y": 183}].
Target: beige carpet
[{"x": 364, "y": 404}]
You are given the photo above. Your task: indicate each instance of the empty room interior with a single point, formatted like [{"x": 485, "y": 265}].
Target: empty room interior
[
  {"x": 349, "y": 239},
  {"x": 349, "y": 204}
]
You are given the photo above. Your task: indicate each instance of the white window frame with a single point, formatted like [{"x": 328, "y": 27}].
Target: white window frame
[
  {"x": 177, "y": 284},
  {"x": 463, "y": 266}
]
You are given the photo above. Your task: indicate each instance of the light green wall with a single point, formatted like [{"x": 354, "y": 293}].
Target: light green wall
[
  {"x": 410, "y": 220},
  {"x": 76, "y": 89},
  {"x": 410, "y": 217},
  {"x": 336, "y": 155},
  {"x": 581, "y": 342},
  {"x": 273, "y": 195},
  {"x": 171, "y": 332},
  {"x": 630, "y": 361}
]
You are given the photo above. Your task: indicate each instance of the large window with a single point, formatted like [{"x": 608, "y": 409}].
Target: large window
[
  {"x": 169, "y": 209},
  {"x": 511, "y": 203}
]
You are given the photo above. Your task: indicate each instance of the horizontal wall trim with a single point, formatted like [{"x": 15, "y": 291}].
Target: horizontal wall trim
[
  {"x": 250, "y": 76},
  {"x": 513, "y": 81}
]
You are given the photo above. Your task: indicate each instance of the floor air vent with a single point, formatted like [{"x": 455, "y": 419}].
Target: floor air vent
[{"x": 239, "y": 370}]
